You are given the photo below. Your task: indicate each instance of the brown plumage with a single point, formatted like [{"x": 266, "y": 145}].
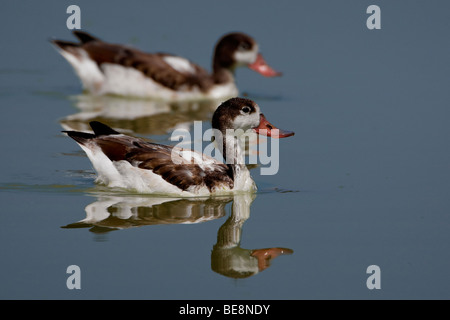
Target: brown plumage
[
  {"x": 162, "y": 160},
  {"x": 156, "y": 67}
]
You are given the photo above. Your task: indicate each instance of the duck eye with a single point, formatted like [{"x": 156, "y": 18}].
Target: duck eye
[
  {"x": 244, "y": 46},
  {"x": 246, "y": 109}
]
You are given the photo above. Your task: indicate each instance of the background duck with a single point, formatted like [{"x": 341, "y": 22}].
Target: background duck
[{"x": 106, "y": 68}]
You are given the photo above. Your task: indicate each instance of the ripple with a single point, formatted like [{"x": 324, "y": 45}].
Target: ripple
[{"x": 59, "y": 188}]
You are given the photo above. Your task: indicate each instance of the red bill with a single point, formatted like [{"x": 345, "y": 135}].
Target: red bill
[
  {"x": 265, "y": 128},
  {"x": 261, "y": 66},
  {"x": 264, "y": 256}
]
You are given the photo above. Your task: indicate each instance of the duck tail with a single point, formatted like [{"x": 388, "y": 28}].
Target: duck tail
[
  {"x": 84, "y": 37},
  {"x": 101, "y": 129},
  {"x": 80, "y": 137}
]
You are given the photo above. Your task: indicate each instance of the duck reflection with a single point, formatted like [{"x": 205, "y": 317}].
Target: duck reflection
[
  {"x": 109, "y": 213},
  {"x": 227, "y": 257},
  {"x": 139, "y": 116}
]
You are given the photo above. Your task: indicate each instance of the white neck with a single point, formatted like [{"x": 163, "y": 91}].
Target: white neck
[{"x": 234, "y": 158}]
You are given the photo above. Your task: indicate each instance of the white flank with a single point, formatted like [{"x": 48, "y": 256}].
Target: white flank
[
  {"x": 107, "y": 172},
  {"x": 224, "y": 91},
  {"x": 87, "y": 70},
  {"x": 131, "y": 82}
]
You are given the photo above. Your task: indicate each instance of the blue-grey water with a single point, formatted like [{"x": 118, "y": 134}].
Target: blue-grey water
[{"x": 365, "y": 180}]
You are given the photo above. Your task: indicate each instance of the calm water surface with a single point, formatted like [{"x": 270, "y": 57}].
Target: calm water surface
[{"x": 365, "y": 180}]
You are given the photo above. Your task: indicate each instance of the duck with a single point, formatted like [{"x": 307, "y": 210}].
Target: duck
[
  {"x": 138, "y": 165},
  {"x": 115, "y": 69}
]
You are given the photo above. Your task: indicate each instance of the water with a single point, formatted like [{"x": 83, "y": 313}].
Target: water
[{"x": 365, "y": 180}]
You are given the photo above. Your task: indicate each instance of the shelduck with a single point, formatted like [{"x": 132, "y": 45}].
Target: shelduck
[
  {"x": 136, "y": 164},
  {"x": 106, "y": 68}
]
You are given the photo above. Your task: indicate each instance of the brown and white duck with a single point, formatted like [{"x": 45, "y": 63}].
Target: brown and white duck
[
  {"x": 106, "y": 68},
  {"x": 135, "y": 164}
]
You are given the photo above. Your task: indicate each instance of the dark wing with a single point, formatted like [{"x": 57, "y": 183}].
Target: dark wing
[
  {"x": 168, "y": 162},
  {"x": 151, "y": 65}
]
